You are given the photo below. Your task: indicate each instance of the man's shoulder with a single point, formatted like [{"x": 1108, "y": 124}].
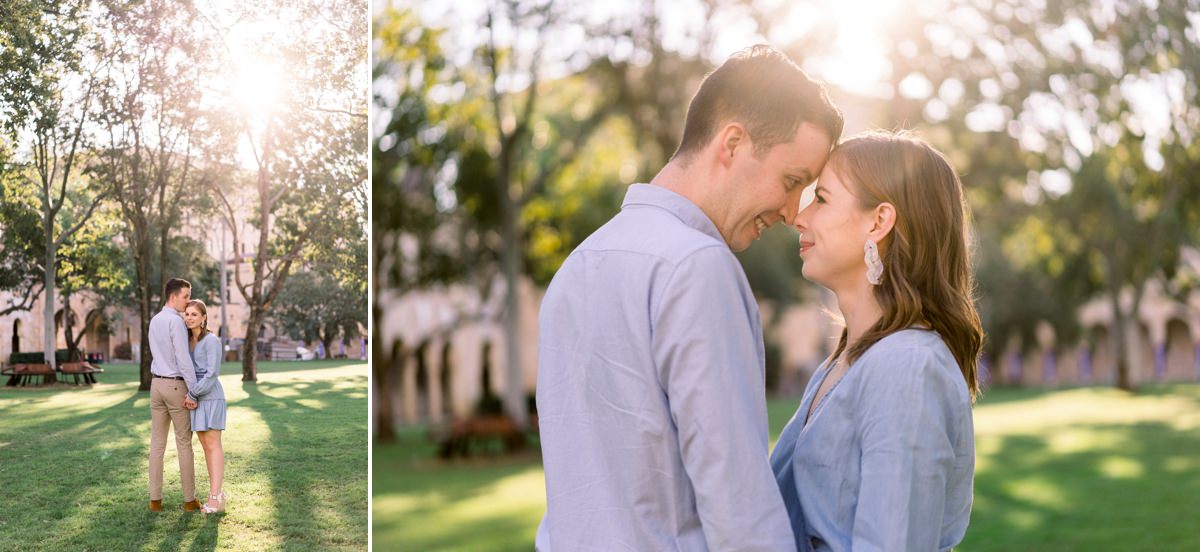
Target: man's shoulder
[
  {"x": 164, "y": 317},
  {"x": 158, "y": 317},
  {"x": 651, "y": 232}
]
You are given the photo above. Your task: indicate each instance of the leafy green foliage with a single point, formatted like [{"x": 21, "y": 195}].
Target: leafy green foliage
[
  {"x": 1077, "y": 185},
  {"x": 315, "y": 306},
  {"x": 21, "y": 243},
  {"x": 38, "y": 47}
]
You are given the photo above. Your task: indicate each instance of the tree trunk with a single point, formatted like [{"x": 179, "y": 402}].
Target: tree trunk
[
  {"x": 1125, "y": 347},
  {"x": 68, "y": 328},
  {"x": 328, "y": 343},
  {"x": 257, "y": 299},
  {"x": 145, "y": 357},
  {"x": 385, "y": 428},
  {"x": 161, "y": 284},
  {"x": 49, "y": 330},
  {"x": 250, "y": 347},
  {"x": 514, "y": 393}
]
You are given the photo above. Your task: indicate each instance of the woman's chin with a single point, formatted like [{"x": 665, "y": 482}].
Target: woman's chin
[{"x": 809, "y": 274}]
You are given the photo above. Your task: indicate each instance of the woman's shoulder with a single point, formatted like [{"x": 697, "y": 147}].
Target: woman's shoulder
[
  {"x": 908, "y": 352},
  {"x": 910, "y": 338},
  {"x": 210, "y": 339}
]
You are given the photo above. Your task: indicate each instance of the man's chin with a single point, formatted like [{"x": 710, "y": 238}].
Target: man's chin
[{"x": 743, "y": 240}]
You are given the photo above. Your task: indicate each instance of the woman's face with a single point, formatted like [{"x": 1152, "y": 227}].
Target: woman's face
[
  {"x": 833, "y": 229},
  {"x": 192, "y": 318}
]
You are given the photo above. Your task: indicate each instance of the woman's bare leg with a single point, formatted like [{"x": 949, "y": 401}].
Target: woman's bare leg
[{"x": 214, "y": 458}]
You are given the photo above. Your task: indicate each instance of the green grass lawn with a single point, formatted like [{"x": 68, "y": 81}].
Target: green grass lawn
[
  {"x": 1078, "y": 469},
  {"x": 73, "y": 465}
]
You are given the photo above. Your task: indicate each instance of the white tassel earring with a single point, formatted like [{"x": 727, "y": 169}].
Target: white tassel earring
[{"x": 874, "y": 263}]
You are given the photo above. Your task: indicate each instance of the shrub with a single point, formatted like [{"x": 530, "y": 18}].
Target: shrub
[
  {"x": 36, "y": 357},
  {"x": 123, "y": 351}
]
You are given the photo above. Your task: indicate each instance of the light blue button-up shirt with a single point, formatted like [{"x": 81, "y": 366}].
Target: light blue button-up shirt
[
  {"x": 651, "y": 393},
  {"x": 887, "y": 460},
  {"x": 169, "y": 347}
]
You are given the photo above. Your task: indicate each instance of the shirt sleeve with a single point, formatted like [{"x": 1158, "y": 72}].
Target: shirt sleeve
[
  {"x": 907, "y": 452},
  {"x": 212, "y": 368},
  {"x": 707, "y": 350},
  {"x": 177, "y": 333}
]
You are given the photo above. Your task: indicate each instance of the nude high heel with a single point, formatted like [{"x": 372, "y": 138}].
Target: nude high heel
[{"x": 220, "y": 499}]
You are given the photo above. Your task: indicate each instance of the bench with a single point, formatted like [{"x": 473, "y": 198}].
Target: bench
[
  {"x": 457, "y": 439},
  {"x": 81, "y": 369},
  {"x": 23, "y": 374}
]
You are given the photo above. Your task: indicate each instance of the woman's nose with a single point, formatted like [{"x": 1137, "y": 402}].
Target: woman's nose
[{"x": 798, "y": 221}]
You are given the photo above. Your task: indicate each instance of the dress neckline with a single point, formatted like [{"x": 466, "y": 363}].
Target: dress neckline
[{"x": 811, "y": 411}]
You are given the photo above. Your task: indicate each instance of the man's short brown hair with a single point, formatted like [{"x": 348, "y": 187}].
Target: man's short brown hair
[
  {"x": 174, "y": 285},
  {"x": 767, "y": 93}
]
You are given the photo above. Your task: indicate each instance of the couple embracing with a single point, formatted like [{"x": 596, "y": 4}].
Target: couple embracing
[
  {"x": 651, "y": 389},
  {"x": 186, "y": 394}
]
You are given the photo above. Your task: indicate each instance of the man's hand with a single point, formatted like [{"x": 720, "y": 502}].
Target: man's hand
[{"x": 189, "y": 404}]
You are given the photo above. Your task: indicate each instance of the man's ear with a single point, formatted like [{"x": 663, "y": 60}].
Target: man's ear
[
  {"x": 732, "y": 141},
  {"x": 884, "y": 221}
]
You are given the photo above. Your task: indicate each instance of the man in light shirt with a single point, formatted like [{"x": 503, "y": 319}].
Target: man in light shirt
[
  {"x": 172, "y": 376},
  {"x": 651, "y": 391}
]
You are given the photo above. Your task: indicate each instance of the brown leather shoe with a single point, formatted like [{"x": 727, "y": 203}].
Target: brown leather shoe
[
  {"x": 193, "y": 506},
  {"x": 155, "y": 505}
]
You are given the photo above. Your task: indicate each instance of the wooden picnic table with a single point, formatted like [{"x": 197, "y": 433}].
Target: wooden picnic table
[
  {"x": 24, "y": 374},
  {"x": 80, "y": 369}
]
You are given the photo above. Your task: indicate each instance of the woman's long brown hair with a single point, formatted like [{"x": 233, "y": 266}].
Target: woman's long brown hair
[
  {"x": 927, "y": 276},
  {"x": 192, "y": 338}
]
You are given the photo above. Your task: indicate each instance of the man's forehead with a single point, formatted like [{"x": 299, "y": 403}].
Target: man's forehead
[
  {"x": 804, "y": 171},
  {"x": 806, "y": 165},
  {"x": 809, "y": 150}
]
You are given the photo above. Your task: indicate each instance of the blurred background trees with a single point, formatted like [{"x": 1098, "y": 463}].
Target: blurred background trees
[
  {"x": 505, "y": 133},
  {"x": 135, "y": 135}
]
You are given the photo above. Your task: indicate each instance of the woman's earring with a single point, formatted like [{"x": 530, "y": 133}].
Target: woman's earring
[{"x": 874, "y": 263}]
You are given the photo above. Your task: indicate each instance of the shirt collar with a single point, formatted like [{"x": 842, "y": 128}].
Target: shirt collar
[
  {"x": 656, "y": 196},
  {"x": 172, "y": 310}
]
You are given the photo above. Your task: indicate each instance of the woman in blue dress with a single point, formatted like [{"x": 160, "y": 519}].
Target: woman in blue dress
[
  {"x": 208, "y": 416},
  {"x": 880, "y": 454}
]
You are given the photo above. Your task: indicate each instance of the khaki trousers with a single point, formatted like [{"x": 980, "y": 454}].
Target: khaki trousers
[{"x": 166, "y": 410}]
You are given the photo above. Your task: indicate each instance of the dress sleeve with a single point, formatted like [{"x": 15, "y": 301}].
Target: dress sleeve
[
  {"x": 707, "y": 354},
  {"x": 908, "y": 410},
  {"x": 212, "y": 367}
]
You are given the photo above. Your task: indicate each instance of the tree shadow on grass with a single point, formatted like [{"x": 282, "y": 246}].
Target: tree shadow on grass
[
  {"x": 416, "y": 499},
  {"x": 496, "y": 533},
  {"x": 79, "y": 470},
  {"x": 1124, "y": 486},
  {"x": 82, "y": 482},
  {"x": 308, "y": 508},
  {"x": 274, "y": 367}
]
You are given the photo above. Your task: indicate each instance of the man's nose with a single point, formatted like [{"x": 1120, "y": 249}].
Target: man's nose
[{"x": 791, "y": 207}]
